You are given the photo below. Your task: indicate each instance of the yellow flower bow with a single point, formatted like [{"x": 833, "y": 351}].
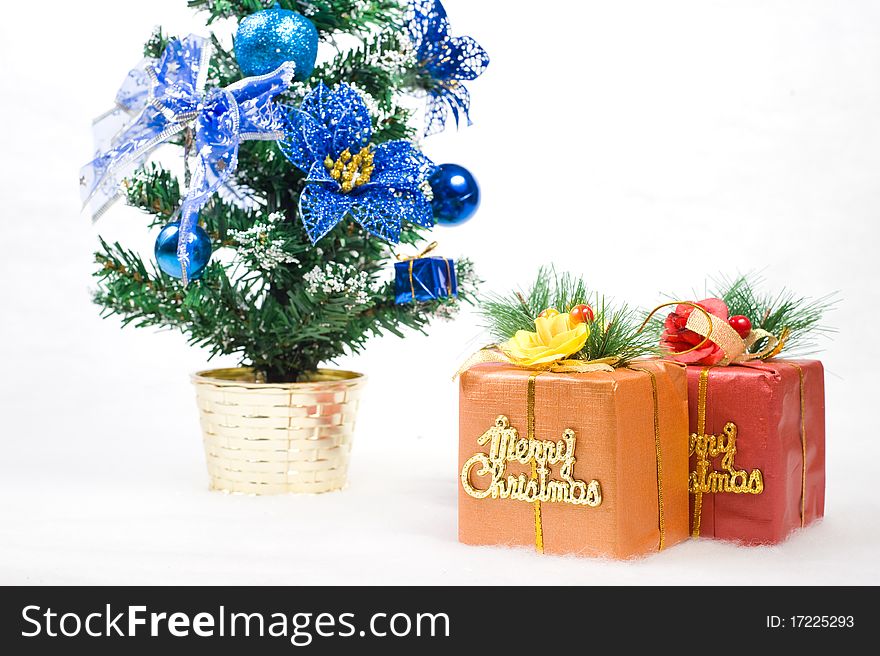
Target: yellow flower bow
[{"x": 556, "y": 337}]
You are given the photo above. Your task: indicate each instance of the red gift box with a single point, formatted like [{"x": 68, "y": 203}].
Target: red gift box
[{"x": 757, "y": 449}]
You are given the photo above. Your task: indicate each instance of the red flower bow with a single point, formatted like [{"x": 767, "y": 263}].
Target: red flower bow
[{"x": 677, "y": 338}]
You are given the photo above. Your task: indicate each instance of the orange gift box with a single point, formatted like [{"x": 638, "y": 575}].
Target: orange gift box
[
  {"x": 757, "y": 449},
  {"x": 593, "y": 464}
]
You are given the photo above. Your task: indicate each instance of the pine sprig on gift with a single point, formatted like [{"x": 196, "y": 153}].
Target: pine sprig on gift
[
  {"x": 799, "y": 316},
  {"x": 615, "y": 331}
]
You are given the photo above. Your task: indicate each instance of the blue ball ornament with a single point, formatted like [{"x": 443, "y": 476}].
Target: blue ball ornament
[
  {"x": 166, "y": 251},
  {"x": 456, "y": 194},
  {"x": 268, "y": 38}
]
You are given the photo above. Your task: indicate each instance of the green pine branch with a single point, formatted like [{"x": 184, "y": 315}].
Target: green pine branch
[
  {"x": 283, "y": 331},
  {"x": 155, "y": 45},
  {"x": 615, "y": 331},
  {"x": 153, "y": 190},
  {"x": 799, "y": 316},
  {"x": 224, "y": 68}
]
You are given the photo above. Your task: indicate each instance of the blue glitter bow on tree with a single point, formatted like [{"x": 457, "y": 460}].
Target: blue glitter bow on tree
[
  {"x": 446, "y": 60},
  {"x": 378, "y": 185},
  {"x": 164, "y": 97}
]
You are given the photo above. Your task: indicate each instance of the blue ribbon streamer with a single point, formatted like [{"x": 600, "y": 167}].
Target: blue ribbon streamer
[{"x": 161, "y": 98}]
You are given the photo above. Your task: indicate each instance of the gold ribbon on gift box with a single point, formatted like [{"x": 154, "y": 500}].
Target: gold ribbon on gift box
[
  {"x": 736, "y": 349},
  {"x": 530, "y": 431},
  {"x": 412, "y": 259},
  {"x": 493, "y": 353}
]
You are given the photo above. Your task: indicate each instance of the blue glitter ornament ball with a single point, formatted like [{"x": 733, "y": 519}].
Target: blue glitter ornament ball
[
  {"x": 166, "y": 251},
  {"x": 268, "y": 38},
  {"x": 456, "y": 194}
]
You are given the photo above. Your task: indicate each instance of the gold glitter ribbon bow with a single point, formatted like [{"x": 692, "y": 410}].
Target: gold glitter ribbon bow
[
  {"x": 412, "y": 258},
  {"x": 714, "y": 329},
  {"x": 493, "y": 353}
]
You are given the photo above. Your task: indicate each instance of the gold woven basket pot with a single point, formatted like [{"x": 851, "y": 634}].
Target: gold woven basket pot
[{"x": 277, "y": 438}]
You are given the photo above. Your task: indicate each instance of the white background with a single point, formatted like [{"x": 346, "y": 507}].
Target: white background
[{"x": 645, "y": 144}]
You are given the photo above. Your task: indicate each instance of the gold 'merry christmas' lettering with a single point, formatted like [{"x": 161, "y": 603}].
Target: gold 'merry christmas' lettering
[
  {"x": 707, "y": 480},
  {"x": 505, "y": 446}
]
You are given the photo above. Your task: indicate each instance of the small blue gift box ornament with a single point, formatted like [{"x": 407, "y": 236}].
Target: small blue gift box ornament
[{"x": 420, "y": 278}]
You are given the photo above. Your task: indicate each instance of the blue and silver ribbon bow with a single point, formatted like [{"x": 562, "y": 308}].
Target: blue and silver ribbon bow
[{"x": 164, "y": 97}]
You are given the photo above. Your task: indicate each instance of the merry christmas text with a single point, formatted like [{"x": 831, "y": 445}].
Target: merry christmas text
[
  {"x": 706, "y": 480},
  {"x": 506, "y": 446}
]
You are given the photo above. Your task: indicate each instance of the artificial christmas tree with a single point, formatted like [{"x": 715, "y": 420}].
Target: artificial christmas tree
[{"x": 301, "y": 182}]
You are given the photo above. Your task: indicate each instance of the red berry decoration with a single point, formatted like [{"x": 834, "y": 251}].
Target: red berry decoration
[
  {"x": 582, "y": 314},
  {"x": 741, "y": 325}
]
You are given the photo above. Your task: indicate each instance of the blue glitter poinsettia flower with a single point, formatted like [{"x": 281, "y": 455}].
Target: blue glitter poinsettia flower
[
  {"x": 446, "y": 60},
  {"x": 379, "y": 186}
]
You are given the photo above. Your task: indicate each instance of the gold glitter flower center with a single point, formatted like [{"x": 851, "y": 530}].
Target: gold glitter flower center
[{"x": 351, "y": 171}]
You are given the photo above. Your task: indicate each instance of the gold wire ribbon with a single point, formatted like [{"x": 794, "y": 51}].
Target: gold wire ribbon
[
  {"x": 412, "y": 259},
  {"x": 714, "y": 329},
  {"x": 493, "y": 353},
  {"x": 800, "y": 371},
  {"x": 661, "y": 520},
  {"x": 735, "y": 348},
  {"x": 530, "y": 432},
  {"x": 702, "y": 393}
]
